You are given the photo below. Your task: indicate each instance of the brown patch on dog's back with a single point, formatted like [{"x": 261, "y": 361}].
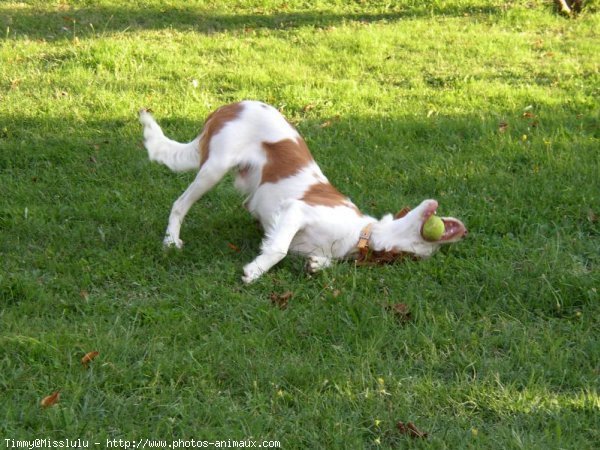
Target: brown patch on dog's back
[
  {"x": 284, "y": 159},
  {"x": 324, "y": 194},
  {"x": 215, "y": 123}
]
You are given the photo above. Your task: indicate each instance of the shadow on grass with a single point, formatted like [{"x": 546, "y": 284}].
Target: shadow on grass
[
  {"x": 84, "y": 193},
  {"x": 404, "y": 150},
  {"x": 494, "y": 177},
  {"x": 94, "y": 20}
]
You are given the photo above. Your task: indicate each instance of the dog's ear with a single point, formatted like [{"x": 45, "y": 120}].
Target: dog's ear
[{"x": 400, "y": 214}]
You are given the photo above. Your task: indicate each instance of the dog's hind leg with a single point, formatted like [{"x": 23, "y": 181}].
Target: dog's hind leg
[
  {"x": 210, "y": 174},
  {"x": 180, "y": 157}
]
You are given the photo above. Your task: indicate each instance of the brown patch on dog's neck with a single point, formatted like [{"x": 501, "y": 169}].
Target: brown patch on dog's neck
[
  {"x": 324, "y": 194},
  {"x": 285, "y": 158},
  {"x": 215, "y": 123},
  {"x": 403, "y": 212}
]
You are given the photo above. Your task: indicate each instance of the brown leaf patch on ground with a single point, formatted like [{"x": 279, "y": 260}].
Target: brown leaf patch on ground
[
  {"x": 89, "y": 357},
  {"x": 281, "y": 300},
  {"x": 400, "y": 312},
  {"x": 410, "y": 429},
  {"x": 50, "y": 400},
  {"x": 233, "y": 247}
]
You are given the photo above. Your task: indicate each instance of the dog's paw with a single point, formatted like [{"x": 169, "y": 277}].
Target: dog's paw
[
  {"x": 317, "y": 263},
  {"x": 171, "y": 242},
  {"x": 251, "y": 273}
]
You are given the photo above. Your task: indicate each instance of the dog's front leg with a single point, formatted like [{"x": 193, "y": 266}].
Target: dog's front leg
[
  {"x": 277, "y": 242},
  {"x": 317, "y": 263}
]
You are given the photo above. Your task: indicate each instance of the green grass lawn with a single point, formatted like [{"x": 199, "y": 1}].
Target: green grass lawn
[{"x": 491, "y": 107}]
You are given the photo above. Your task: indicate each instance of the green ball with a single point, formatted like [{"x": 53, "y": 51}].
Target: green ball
[{"x": 433, "y": 228}]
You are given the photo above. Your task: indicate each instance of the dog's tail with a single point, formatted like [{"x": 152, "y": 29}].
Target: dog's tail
[{"x": 176, "y": 156}]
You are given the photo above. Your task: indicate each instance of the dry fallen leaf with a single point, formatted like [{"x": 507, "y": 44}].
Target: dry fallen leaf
[
  {"x": 281, "y": 300},
  {"x": 410, "y": 429},
  {"x": 50, "y": 400},
  {"x": 233, "y": 247},
  {"x": 88, "y": 357},
  {"x": 401, "y": 312}
]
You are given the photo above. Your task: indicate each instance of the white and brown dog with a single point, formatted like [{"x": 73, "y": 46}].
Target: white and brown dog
[{"x": 298, "y": 208}]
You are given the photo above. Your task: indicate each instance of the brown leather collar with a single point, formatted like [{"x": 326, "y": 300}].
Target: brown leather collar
[
  {"x": 367, "y": 256},
  {"x": 363, "y": 239}
]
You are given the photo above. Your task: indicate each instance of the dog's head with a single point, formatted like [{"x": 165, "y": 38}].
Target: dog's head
[{"x": 405, "y": 233}]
